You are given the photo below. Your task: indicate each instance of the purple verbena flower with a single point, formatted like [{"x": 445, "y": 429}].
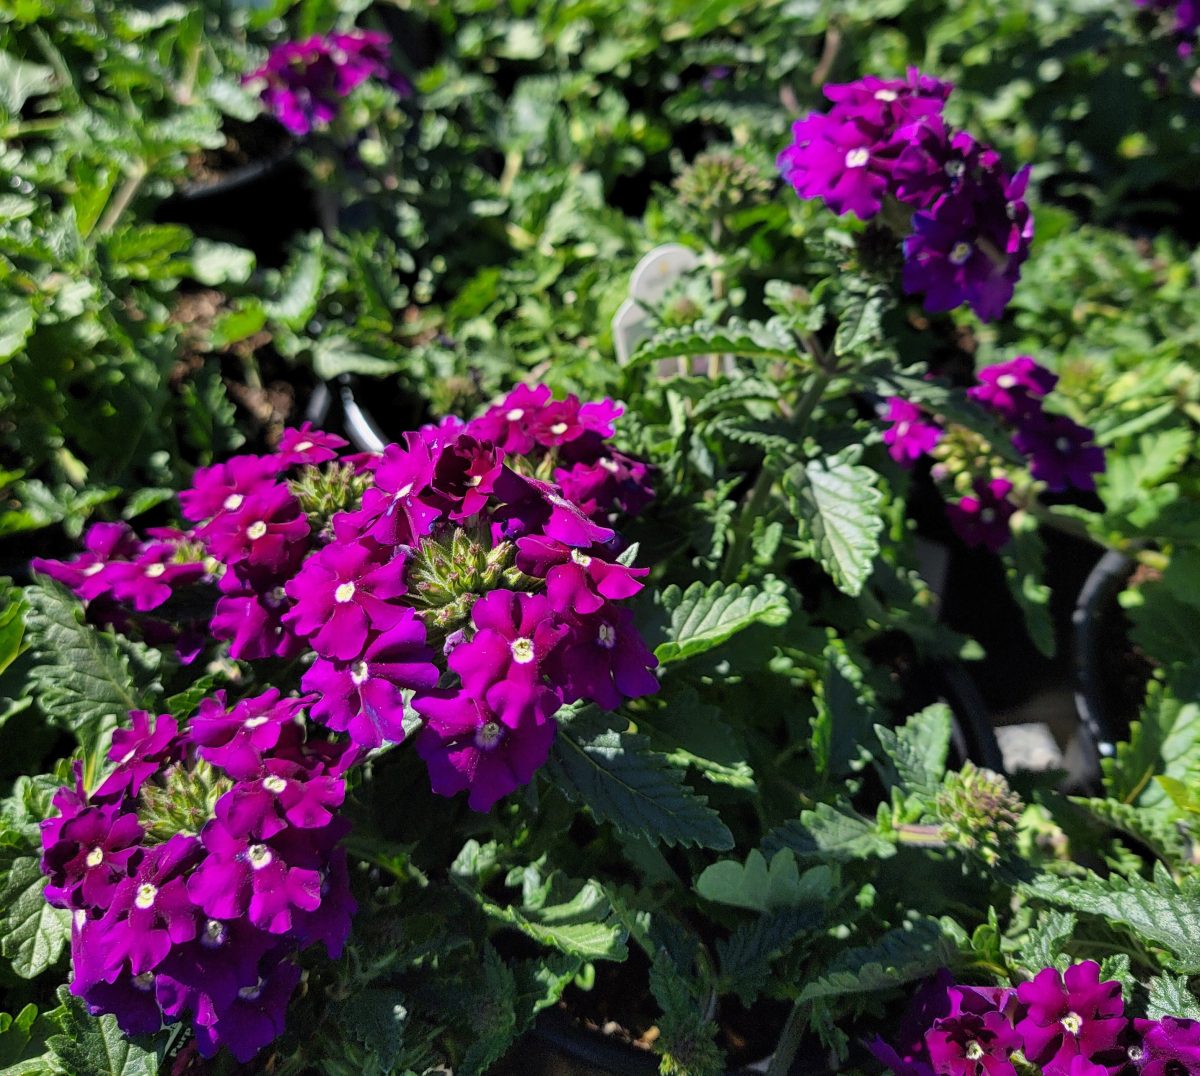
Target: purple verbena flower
[
  {"x": 90, "y": 854},
  {"x": 577, "y": 582},
  {"x": 255, "y": 1017},
  {"x": 469, "y": 747},
  {"x": 910, "y": 436},
  {"x": 982, "y": 519},
  {"x": 532, "y": 506},
  {"x": 253, "y": 621},
  {"x": 1167, "y": 1047},
  {"x": 396, "y": 509},
  {"x": 1060, "y": 451},
  {"x": 1013, "y": 389},
  {"x": 223, "y": 487},
  {"x": 139, "y": 752},
  {"x": 267, "y": 530},
  {"x": 308, "y": 446},
  {"x": 364, "y": 697},
  {"x": 1069, "y": 1014},
  {"x": 236, "y": 739},
  {"x": 89, "y": 574},
  {"x": 464, "y": 476},
  {"x": 604, "y": 660},
  {"x": 514, "y": 426},
  {"x": 972, "y": 1044}
]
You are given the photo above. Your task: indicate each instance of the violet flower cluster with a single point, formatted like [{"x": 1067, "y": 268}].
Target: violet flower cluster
[
  {"x": 1061, "y": 453},
  {"x": 200, "y": 867},
  {"x": 1059, "y": 1024},
  {"x": 883, "y": 150},
  {"x": 305, "y": 82},
  {"x": 465, "y": 581}
]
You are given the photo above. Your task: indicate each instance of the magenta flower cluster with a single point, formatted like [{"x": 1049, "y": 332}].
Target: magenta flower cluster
[
  {"x": 459, "y": 592},
  {"x": 304, "y": 82},
  {"x": 1061, "y": 1023},
  {"x": 199, "y": 868},
  {"x": 883, "y": 150}
]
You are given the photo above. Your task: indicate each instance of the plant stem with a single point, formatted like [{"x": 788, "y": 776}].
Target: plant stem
[
  {"x": 789, "y": 1042},
  {"x": 735, "y": 555},
  {"x": 120, "y": 201},
  {"x": 810, "y": 399}
]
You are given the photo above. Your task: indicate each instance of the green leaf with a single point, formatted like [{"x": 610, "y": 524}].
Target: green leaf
[
  {"x": 830, "y": 834},
  {"x": 1170, "y": 995},
  {"x": 12, "y": 626},
  {"x": 747, "y": 339},
  {"x": 902, "y": 955},
  {"x": 1024, "y": 570},
  {"x": 692, "y": 733},
  {"x": 1164, "y": 741},
  {"x": 16, "y": 323},
  {"x": 622, "y": 782},
  {"x": 1158, "y": 911},
  {"x": 861, "y": 322},
  {"x": 492, "y": 1020},
  {"x": 1156, "y": 829},
  {"x": 704, "y": 617},
  {"x": 32, "y": 933},
  {"x": 687, "y": 1039},
  {"x": 917, "y": 750},
  {"x": 762, "y": 888},
  {"x": 23, "y": 1042},
  {"x": 375, "y": 1017},
  {"x": 84, "y": 680},
  {"x": 91, "y": 1046},
  {"x": 1045, "y": 944},
  {"x": 335, "y": 355},
  {"x": 838, "y": 507},
  {"x": 300, "y": 286},
  {"x": 21, "y": 80},
  {"x": 581, "y": 927},
  {"x": 746, "y": 956}
]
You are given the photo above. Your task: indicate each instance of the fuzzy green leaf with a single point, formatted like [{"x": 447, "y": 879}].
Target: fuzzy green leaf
[
  {"x": 838, "y": 506},
  {"x": 580, "y": 927},
  {"x": 917, "y": 750},
  {"x": 763, "y": 888},
  {"x": 32, "y": 933},
  {"x": 747, "y": 339},
  {"x": 622, "y": 782},
  {"x": 830, "y": 834},
  {"x": 704, "y": 617},
  {"x": 91, "y": 1046},
  {"x": 1170, "y": 995},
  {"x": 1164, "y": 741}
]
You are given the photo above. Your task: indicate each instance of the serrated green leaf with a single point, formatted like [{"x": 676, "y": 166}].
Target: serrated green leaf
[
  {"x": 829, "y": 834},
  {"x": 492, "y": 1020},
  {"x": 300, "y": 287},
  {"x": 764, "y": 888},
  {"x": 1164, "y": 741},
  {"x": 1158, "y": 911},
  {"x": 745, "y": 958},
  {"x": 95, "y": 1046},
  {"x": 375, "y": 1017},
  {"x": 746, "y": 339},
  {"x": 1044, "y": 945},
  {"x": 691, "y": 733},
  {"x": 581, "y": 927},
  {"x": 622, "y": 782},
  {"x": 85, "y": 681},
  {"x": 16, "y": 323},
  {"x": 21, "y": 80},
  {"x": 1024, "y": 571},
  {"x": 917, "y": 750},
  {"x": 838, "y": 506},
  {"x": 32, "y": 933},
  {"x": 1170, "y": 995},
  {"x": 704, "y": 617},
  {"x": 333, "y": 356},
  {"x": 861, "y": 322}
]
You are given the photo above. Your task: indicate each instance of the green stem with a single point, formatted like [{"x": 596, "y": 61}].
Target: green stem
[
  {"x": 810, "y": 399},
  {"x": 120, "y": 201},
  {"x": 735, "y": 555},
  {"x": 789, "y": 1042}
]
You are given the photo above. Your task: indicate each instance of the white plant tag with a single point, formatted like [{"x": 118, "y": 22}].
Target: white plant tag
[{"x": 651, "y": 278}]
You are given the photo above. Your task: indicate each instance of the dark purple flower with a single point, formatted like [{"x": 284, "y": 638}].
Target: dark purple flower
[
  {"x": 1060, "y": 451},
  {"x": 1069, "y": 1014},
  {"x": 89, "y": 574},
  {"x": 610, "y": 480},
  {"x": 982, "y": 519},
  {"x": 532, "y": 506},
  {"x": 139, "y": 752},
  {"x": 464, "y": 476},
  {"x": 514, "y": 426},
  {"x": 576, "y": 582},
  {"x": 89, "y": 856},
  {"x": 342, "y": 594},
  {"x": 285, "y": 793},
  {"x": 1013, "y": 389},
  {"x": 255, "y": 1017},
  {"x": 237, "y": 739},
  {"x": 968, "y": 247},
  {"x": 308, "y": 446},
  {"x": 267, "y": 530},
  {"x": 224, "y": 487},
  {"x": 515, "y": 635},
  {"x": 147, "y": 581},
  {"x": 604, "y": 660},
  {"x": 252, "y": 621},
  {"x": 972, "y": 1044},
  {"x": 840, "y": 162},
  {"x": 248, "y": 874},
  {"x": 329, "y": 925},
  {"x": 1168, "y": 1047},
  {"x": 364, "y": 697},
  {"x": 395, "y": 510},
  {"x": 150, "y": 910},
  {"x": 910, "y": 436},
  {"x": 469, "y": 747},
  {"x": 910, "y": 1056}
]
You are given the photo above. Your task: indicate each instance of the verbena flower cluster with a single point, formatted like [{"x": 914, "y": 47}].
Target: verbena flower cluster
[
  {"x": 1059, "y": 1024},
  {"x": 1061, "y": 453},
  {"x": 304, "y": 82},
  {"x": 884, "y": 150},
  {"x": 200, "y": 867},
  {"x": 469, "y": 570}
]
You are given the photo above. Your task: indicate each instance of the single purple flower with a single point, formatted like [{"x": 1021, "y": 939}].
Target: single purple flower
[
  {"x": 224, "y": 487},
  {"x": 342, "y": 594},
  {"x": 514, "y": 426},
  {"x": 982, "y": 519},
  {"x": 839, "y": 161},
  {"x": 604, "y": 660},
  {"x": 532, "y": 506},
  {"x": 131, "y": 999},
  {"x": 140, "y": 752},
  {"x": 90, "y": 856},
  {"x": 910, "y": 1056},
  {"x": 971, "y": 1044},
  {"x": 576, "y": 582},
  {"x": 1060, "y": 451},
  {"x": 252, "y": 621},
  {"x": 255, "y": 1017},
  {"x": 150, "y": 910},
  {"x": 236, "y": 739},
  {"x": 909, "y": 437},
  {"x": 308, "y": 446},
  {"x": 1013, "y": 389},
  {"x": 469, "y": 747},
  {"x": 89, "y": 575},
  {"x": 267, "y": 530},
  {"x": 1069, "y": 1014},
  {"x": 1168, "y": 1047},
  {"x": 610, "y": 480},
  {"x": 365, "y": 697},
  {"x": 464, "y": 476},
  {"x": 329, "y": 925},
  {"x": 285, "y": 793},
  {"x": 148, "y": 581},
  {"x": 395, "y": 510}
]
